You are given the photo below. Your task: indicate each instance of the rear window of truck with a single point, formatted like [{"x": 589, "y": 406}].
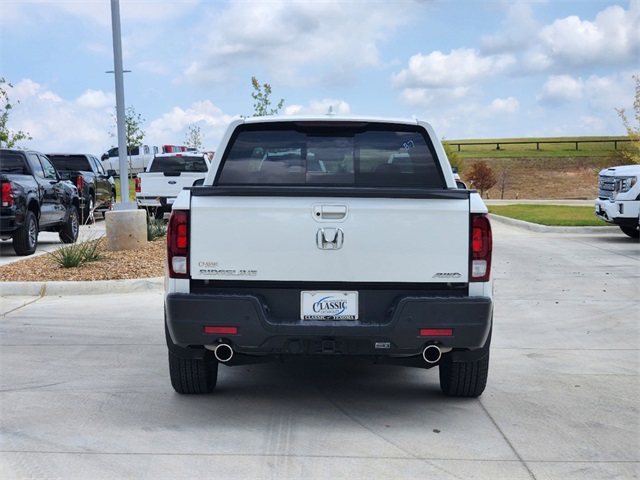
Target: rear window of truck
[
  {"x": 70, "y": 162},
  {"x": 13, "y": 163},
  {"x": 346, "y": 154},
  {"x": 178, "y": 163}
]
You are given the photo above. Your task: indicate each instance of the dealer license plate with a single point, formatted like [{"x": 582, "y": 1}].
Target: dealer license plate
[{"x": 329, "y": 305}]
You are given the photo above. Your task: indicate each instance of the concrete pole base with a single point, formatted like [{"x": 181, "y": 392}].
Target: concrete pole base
[{"x": 126, "y": 229}]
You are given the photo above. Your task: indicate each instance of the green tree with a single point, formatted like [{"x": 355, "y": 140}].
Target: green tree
[
  {"x": 481, "y": 176},
  {"x": 262, "y": 105},
  {"x": 133, "y": 130},
  {"x": 194, "y": 137},
  {"x": 452, "y": 155},
  {"x": 632, "y": 155},
  {"x": 8, "y": 138}
]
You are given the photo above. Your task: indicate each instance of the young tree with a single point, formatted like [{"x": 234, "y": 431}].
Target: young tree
[
  {"x": 261, "y": 96},
  {"x": 8, "y": 138},
  {"x": 481, "y": 177},
  {"x": 194, "y": 137},
  {"x": 133, "y": 130},
  {"x": 633, "y": 154},
  {"x": 504, "y": 178},
  {"x": 452, "y": 155}
]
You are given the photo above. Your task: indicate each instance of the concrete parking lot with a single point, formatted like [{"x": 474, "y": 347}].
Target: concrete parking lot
[
  {"x": 85, "y": 392},
  {"x": 50, "y": 241}
]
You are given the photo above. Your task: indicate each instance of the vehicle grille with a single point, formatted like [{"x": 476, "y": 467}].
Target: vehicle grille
[{"x": 606, "y": 187}]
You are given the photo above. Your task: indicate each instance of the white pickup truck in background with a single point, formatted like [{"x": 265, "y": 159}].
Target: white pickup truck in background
[
  {"x": 166, "y": 175},
  {"x": 137, "y": 160},
  {"x": 618, "y": 199},
  {"x": 305, "y": 240}
]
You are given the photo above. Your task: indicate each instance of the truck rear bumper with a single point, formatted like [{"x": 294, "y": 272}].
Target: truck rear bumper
[{"x": 406, "y": 330}]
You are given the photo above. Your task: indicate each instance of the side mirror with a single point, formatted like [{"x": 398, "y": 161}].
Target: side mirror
[
  {"x": 111, "y": 173},
  {"x": 198, "y": 182}
]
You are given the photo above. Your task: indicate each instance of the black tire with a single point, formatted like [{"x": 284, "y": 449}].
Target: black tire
[
  {"x": 193, "y": 375},
  {"x": 25, "y": 240},
  {"x": 71, "y": 229},
  {"x": 631, "y": 231},
  {"x": 88, "y": 211},
  {"x": 464, "y": 379}
]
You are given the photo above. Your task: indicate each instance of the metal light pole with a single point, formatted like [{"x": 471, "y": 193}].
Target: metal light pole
[
  {"x": 124, "y": 204},
  {"x": 126, "y": 225}
]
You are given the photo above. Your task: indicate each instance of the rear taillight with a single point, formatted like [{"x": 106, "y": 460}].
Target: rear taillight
[
  {"x": 137, "y": 184},
  {"x": 481, "y": 247},
  {"x": 80, "y": 183},
  {"x": 178, "y": 244},
  {"x": 7, "y": 198}
]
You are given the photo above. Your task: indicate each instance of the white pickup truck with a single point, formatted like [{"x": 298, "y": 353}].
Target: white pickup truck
[
  {"x": 166, "y": 175},
  {"x": 305, "y": 240},
  {"x": 137, "y": 160},
  {"x": 618, "y": 199}
]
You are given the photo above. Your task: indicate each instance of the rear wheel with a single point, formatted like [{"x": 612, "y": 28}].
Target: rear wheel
[
  {"x": 193, "y": 375},
  {"x": 631, "y": 231},
  {"x": 464, "y": 379},
  {"x": 87, "y": 213},
  {"x": 70, "y": 230},
  {"x": 25, "y": 239}
]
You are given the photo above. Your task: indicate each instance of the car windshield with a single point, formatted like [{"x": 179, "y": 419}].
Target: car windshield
[
  {"x": 178, "y": 163},
  {"x": 327, "y": 153}
]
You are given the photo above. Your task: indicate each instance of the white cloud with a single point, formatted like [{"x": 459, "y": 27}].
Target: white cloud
[
  {"x": 520, "y": 28},
  {"x": 296, "y": 42},
  {"x": 425, "y": 97},
  {"x": 598, "y": 93},
  {"x": 98, "y": 11},
  {"x": 172, "y": 126},
  {"x": 459, "y": 68},
  {"x": 561, "y": 89},
  {"x": 611, "y": 38},
  {"x": 592, "y": 124},
  {"x": 96, "y": 99},
  {"x": 474, "y": 119},
  {"x": 319, "y": 107},
  {"x": 502, "y": 106},
  {"x": 59, "y": 125}
]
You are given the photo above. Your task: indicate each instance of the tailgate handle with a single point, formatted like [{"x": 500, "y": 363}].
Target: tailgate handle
[{"x": 329, "y": 212}]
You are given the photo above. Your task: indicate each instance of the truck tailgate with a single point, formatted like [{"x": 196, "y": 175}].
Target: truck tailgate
[
  {"x": 158, "y": 183},
  {"x": 330, "y": 239}
]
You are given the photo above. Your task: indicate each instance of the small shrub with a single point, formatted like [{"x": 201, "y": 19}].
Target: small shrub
[
  {"x": 156, "y": 228},
  {"x": 75, "y": 255},
  {"x": 92, "y": 250}
]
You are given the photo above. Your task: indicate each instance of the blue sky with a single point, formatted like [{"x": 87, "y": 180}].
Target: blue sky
[{"x": 473, "y": 69}]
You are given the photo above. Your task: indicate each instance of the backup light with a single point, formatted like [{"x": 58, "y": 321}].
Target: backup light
[
  {"x": 481, "y": 247},
  {"x": 178, "y": 244}
]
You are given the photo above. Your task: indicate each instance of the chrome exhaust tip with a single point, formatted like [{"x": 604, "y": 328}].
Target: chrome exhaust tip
[
  {"x": 223, "y": 352},
  {"x": 432, "y": 354}
]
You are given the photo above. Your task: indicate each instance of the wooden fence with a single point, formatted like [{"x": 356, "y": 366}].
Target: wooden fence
[{"x": 537, "y": 143}]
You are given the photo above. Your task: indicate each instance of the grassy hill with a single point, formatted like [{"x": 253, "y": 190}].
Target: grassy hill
[{"x": 538, "y": 170}]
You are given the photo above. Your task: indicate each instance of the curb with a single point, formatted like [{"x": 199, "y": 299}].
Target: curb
[
  {"x": 534, "y": 227},
  {"x": 98, "y": 287}
]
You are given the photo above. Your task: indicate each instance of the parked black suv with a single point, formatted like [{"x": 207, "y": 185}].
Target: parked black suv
[{"x": 35, "y": 198}]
